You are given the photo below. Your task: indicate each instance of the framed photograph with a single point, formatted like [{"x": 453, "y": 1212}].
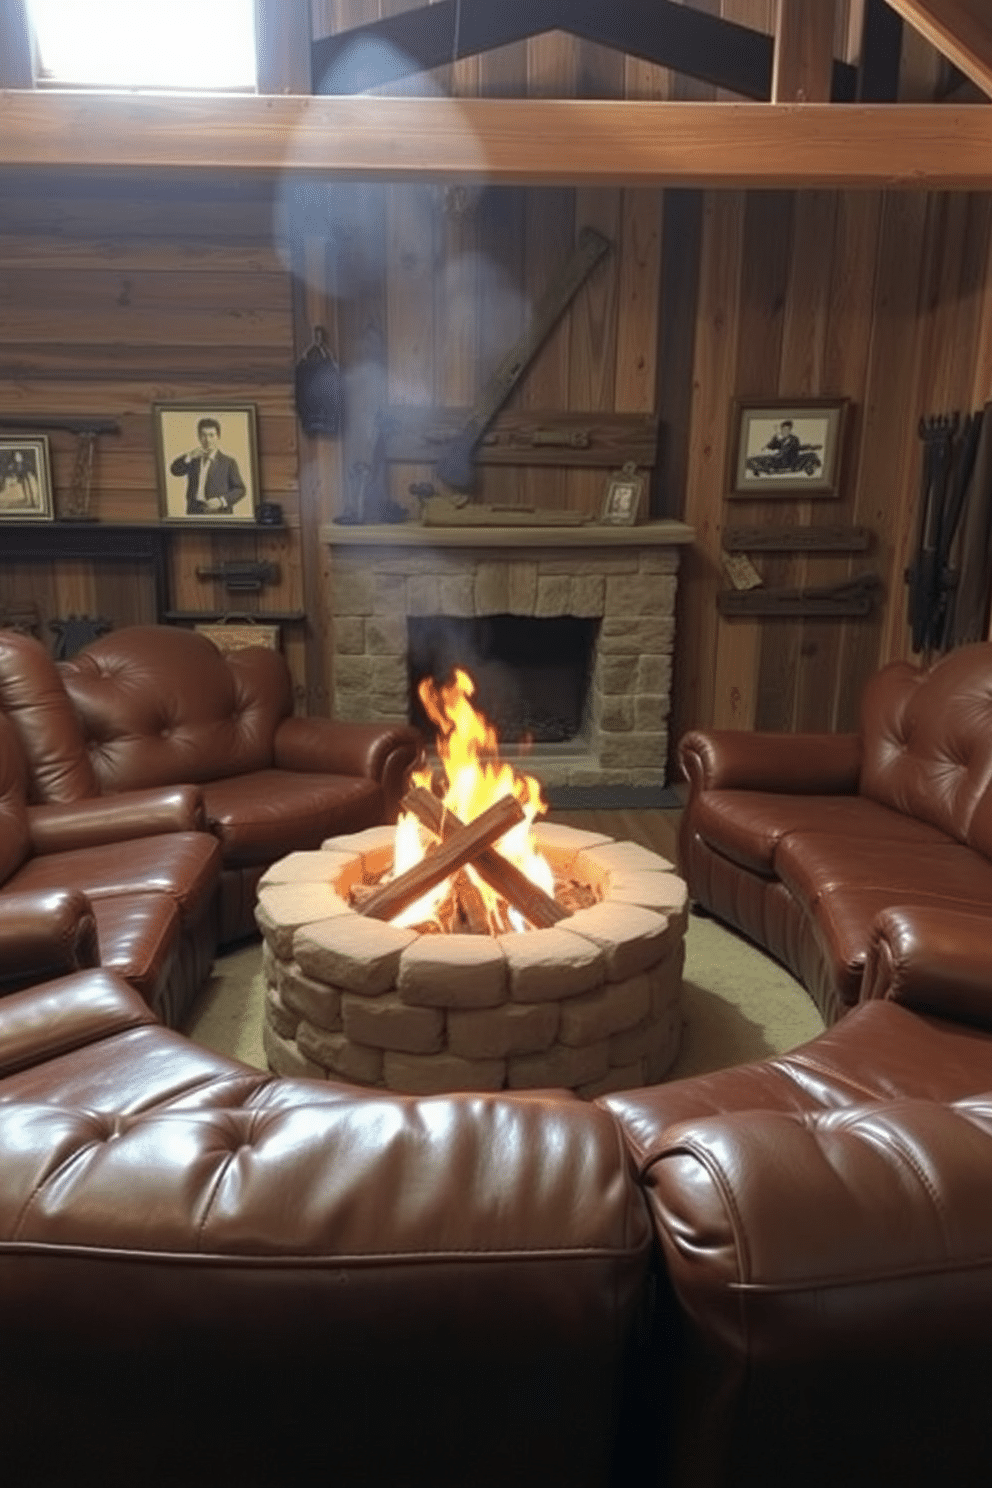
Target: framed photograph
[
  {"x": 207, "y": 462},
  {"x": 622, "y": 501},
  {"x": 783, "y": 448},
  {"x": 25, "y": 480}
]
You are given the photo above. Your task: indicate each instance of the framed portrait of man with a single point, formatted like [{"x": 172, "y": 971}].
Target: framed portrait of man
[{"x": 207, "y": 463}]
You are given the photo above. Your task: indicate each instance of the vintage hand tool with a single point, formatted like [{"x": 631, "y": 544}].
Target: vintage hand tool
[
  {"x": 456, "y": 466},
  {"x": 923, "y": 574}
]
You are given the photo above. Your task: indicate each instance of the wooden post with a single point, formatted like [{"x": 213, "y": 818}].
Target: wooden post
[{"x": 804, "y": 48}]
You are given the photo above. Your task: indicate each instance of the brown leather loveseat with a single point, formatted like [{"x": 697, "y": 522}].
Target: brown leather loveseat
[
  {"x": 805, "y": 842},
  {"x": 161, "y": 778}
]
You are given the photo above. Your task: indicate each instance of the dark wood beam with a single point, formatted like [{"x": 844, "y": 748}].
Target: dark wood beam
[
  {"x": 881, "y": 53},
  {"x": 690, "y": 42},
  {"x": 383, "y": 52},
  {"x": 16, "y": 62}
]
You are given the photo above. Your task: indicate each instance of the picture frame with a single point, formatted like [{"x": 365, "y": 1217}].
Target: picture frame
[
  {"x": 207, "y": 463},
  {"x": 786, "y": 447},
  {"x": 26, "y": 480},
  {"x": 622, "y": 502}
]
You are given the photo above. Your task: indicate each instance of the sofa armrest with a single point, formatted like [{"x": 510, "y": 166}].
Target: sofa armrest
[
  {"x": 45, "y": 935},
  {"x": 853, "y": 1234},
  {"x": 46, "y": 1021},
  {"x": 933, "y": 959},
  {"x": 342, "y": 748},
  {"x": 98, "y": 820},
  {"x": 807, "y": 764}
]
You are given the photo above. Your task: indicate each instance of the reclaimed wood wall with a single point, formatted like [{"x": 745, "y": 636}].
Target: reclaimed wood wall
[{"x": 117, "y": 295}]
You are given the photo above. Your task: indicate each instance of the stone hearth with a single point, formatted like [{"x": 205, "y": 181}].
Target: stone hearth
[
  {"x": 623, "y": 577},
  {"x": 593, "y": 1004}
]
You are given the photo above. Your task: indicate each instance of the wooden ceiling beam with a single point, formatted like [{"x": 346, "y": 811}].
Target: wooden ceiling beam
[
  {"x": 536, "y": 142},
  {"x": 960, "y": 29},
  {"x": 804, "y": 51}
]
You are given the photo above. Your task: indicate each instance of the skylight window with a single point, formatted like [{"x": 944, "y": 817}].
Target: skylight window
[{"x": 174, "y": 44}]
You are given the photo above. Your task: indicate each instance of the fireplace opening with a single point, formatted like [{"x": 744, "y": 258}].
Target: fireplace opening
[{"x": 532, "y": 676}]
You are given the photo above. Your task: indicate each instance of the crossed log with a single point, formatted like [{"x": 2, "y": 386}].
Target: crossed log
[{"x": 462, "y": 843}]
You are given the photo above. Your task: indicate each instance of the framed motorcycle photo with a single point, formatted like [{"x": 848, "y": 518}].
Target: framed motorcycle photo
[{"x": 787, "y": 447}]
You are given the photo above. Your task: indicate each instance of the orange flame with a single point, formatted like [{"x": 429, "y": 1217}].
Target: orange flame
[{"x": 476, "y": 777}]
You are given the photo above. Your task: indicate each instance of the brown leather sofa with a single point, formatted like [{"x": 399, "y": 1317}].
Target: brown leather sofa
[
  {"x": 208, "y": 1274},
  {"x": 802, "y": 841},
  {"x": 150, "y": 707}
]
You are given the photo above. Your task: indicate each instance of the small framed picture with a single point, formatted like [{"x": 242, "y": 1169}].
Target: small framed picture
[
  {"x": 207, "y": 462},
  {"x": 622, "y": 502},
  {"x": 782, "y": 448},
  {"x": 25, "y": 480}
]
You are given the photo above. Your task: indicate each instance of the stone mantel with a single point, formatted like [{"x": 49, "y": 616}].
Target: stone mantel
[{"x": 586, "y": 535}]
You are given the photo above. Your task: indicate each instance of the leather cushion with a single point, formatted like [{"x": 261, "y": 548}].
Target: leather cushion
[
  {"x": 258, "y": 818},
  {"x": 747, "y": 826},
  {"x": 184, "y": 865}
]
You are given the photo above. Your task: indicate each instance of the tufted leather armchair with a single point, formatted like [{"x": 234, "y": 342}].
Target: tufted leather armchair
[{"x": 151, "y": 707}]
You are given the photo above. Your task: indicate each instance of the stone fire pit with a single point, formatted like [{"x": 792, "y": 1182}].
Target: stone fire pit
[{"x": 592, "y": 1004}]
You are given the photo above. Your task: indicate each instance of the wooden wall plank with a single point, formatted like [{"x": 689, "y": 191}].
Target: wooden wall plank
[{"x": 698, "y": 697}]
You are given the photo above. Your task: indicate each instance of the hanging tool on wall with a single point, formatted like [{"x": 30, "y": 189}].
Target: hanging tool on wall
[
  {"x": 947, "y": 465},
  {"x": 456, "y": 467}
]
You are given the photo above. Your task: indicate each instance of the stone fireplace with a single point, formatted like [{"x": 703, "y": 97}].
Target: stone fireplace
[{"x": 621, "y": 578}]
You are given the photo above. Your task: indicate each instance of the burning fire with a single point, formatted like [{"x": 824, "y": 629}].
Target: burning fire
[{"x": 468, "y": 748}]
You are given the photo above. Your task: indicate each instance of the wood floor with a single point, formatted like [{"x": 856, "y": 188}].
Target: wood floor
[{"x": 657, "y": 830}]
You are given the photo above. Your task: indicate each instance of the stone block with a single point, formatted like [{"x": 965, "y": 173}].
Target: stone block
[
  {"x": 319, "y": 868},
  {"x": 389, "y": 675},
  {"x": 651, "y": 713},
  {"x": 352, "y": 674},
  {"x": 337, "y": 1054},
  {"x": 614, "y": 857},
  {"x": 349, "y": 635},
  {"x": 627, "y": 635},
  {"x": 633, "y": 751},
  {"x": 617, "y": 674},
  {"x": 558, "y": 1066},
  {"x": 493, "y": 1033},
  {"x": 352, "y": 707},
  {"x": 385, "y": 635},
  {"x": 453, "y": 971},
  {"x": 423, "y": 595},
  {"x": 588, "y": 595},
  {"x": 492, "y": 589},
  {"x": 318, "y": 1002},
  {"x": 664, "y": 892},
  {"x": 546, "y": 965},
  {"x": 435, "y": 1074},
  {"x": 522, "y": 587},
  {"x": 554, "y": 596},
  {"x": 285, "y": 1058},
  {"x": 283, "y": 1019},
  {"x": 388, "y": 1023},
  {"x": 631, "y": 939},
  {"x": 599, "y": 1014},
  {"x": 283, "y": 908},
  {"x": 654, "y": 674},
  {"x": 388, "y": 594},
  {"x": 640, "y": 594},
  {"x": 352, "y": 952},
  {"x": 352, "y": 592},
  {"x": 614, "y": 715},
  {"x": 457, "y": 596}
]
